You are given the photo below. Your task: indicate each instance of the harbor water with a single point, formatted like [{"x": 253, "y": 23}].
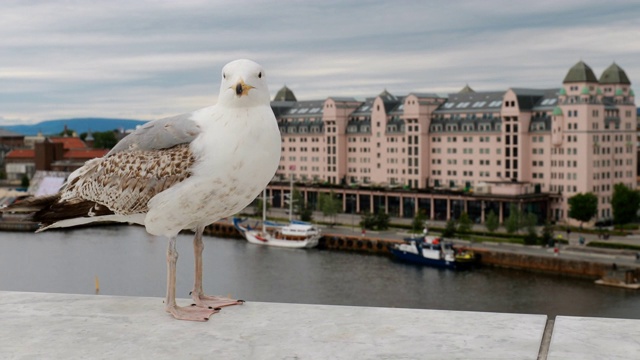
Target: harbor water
[{"x": 127, "y": 261}]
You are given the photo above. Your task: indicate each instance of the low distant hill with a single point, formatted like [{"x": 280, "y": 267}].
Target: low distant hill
[{"x": 79, "y": 125}]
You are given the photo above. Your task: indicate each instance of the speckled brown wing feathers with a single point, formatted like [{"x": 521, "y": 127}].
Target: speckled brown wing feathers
[{"x": 125, "y": 181}]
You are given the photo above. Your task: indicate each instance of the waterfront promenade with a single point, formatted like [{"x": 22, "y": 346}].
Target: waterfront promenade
[{"x": 347, "y": 225}]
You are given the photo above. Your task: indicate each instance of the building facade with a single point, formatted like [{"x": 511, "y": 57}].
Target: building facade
[
  {"x": 62, "y": 154},
  {"x": 474, "y": 150},
  {"x": 9, "y": 140}
]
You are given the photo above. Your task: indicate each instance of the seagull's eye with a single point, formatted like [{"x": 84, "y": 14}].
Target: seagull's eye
[
  {"x": 224, "y": 76},
  {"x": 260, "y": 75}
]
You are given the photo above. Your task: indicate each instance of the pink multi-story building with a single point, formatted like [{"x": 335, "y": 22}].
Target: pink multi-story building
[{"x": 471, "y": 151}]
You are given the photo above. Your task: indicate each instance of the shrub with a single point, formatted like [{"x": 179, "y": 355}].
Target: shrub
[
  {"x": 464, "y": 223},
  {"x": 450, "y": 229}
]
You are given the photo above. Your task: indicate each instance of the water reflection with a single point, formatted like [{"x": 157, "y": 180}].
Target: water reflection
[{"x": 130, "y": 262}]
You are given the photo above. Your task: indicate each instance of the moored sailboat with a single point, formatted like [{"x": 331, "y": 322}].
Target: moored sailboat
[{"x": 296, "y": 234}]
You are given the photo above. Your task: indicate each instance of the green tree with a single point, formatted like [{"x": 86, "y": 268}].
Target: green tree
[
  {"x": 368, "y": 221},
  {"x": 530, "y": 220},
  {"x": 321, "y": 199},
  {"x": 624, "y": 204},
  {"x": 513, "y": 223},
  {"x": 583, "y": 207},
  {"x": 378, "y": 221},
  {"x": 329, "y": 204},
  {"x": 258, "y": 206},
  {"x": 491, "y": 222},
  {"x": 298, "y": 201},
  {"x": 24, "y": 182},
  {"x": 419, "y": 221},
  {"x": 104, "y": 140},
  {"x": 67, "y": 132},
  {"x": 449, "y": 229},
  {"x": 307, "y": 213},
  {"x": 464, "y": 223},
  {"x": 547, "y": 234},
  {"x": 382, "y": 219}
]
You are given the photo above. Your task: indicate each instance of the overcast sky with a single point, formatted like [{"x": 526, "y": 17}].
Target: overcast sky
[{"x": 149, "y": 59}]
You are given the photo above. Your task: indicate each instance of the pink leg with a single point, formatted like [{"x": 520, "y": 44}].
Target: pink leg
[
  {"x": 198, "y": 296},
  {"x": 181, "y": 313}
]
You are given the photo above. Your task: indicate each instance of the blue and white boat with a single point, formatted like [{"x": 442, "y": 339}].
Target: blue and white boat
[{"x": 432, "y": 251}]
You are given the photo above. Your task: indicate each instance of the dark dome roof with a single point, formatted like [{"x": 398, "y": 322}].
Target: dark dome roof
[
  {"x": 285, "y": 94},
  {"x": 580, "y": 72},
  {"x": 614, "y": 75},
  {"x": 387, "y": 96},
  {"x": 466, "y": 89}
]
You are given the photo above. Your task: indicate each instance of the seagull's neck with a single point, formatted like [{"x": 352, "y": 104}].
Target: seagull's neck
[{"x": 211, "y": 118}]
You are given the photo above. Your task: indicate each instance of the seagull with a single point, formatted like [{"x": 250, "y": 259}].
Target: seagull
[{"x": 178, "y": 173}]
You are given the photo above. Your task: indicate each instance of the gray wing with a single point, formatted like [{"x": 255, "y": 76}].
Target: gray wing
[{"x": 160, "y": 134}]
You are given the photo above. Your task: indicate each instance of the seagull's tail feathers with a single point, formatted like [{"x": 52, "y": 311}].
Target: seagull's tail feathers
[
  {"x": 50, "y": 211},
  {"x": 59, "y": 211},
  {"x": 31, "y": 204}
]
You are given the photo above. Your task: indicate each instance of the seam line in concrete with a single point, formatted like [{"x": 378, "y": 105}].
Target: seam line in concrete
[{"x": 546, "y": 340}]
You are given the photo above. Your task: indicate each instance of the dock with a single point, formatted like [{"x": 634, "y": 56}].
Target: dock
[
  {"x": 11, "y": 225},
  {"x": 579, "y": 264}
]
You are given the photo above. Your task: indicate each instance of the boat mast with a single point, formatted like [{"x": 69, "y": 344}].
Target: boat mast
[
  {"x": 264, "y": 210},
  {"x": 291, "y": 199}
]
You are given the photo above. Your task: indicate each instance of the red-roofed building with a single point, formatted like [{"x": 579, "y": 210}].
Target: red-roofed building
[
  {"x": 85, "y": 154},
  {"x": 69, "y": 143},
  {"x": 53, "y": 154},
  {"x": 19, "y": 162},
  {"x": 75, "y": 158},
  {"x": 21, "y": 154},
  {"x": 9, "y": 140}
]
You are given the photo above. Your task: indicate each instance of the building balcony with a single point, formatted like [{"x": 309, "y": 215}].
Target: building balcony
[{"x": 509, "y": 188}]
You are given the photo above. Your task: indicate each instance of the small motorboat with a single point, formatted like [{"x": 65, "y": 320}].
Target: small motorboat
[{"x": 432, "y": 251}]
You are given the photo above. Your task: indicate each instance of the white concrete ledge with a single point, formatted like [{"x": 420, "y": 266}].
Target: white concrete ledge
[
  {"x": 36, "y": 325},
  {"x": 594, "y": 339},
  {"x": 61, "y": 326}
]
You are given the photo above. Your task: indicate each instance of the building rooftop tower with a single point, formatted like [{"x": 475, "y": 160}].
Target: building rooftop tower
[
  {"x": 580, "y": 72},
  {"x": 614, "y": 75},
  {"x": 285, "y": 94}
]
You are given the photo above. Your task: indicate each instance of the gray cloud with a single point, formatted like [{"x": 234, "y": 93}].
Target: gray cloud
[{"x": 147, "y": 59}]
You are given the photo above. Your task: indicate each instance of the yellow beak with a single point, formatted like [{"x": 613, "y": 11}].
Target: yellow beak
[{"x": 242, "y": 89}]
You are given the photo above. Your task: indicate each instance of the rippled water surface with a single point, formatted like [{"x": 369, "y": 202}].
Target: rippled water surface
[{"x": 129, "y": 262}]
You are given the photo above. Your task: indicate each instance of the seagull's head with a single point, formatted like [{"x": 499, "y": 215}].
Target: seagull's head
[{"x": 243, "y": 84}]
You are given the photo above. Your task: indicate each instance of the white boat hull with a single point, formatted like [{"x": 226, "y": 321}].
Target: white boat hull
[
  {"x": 289, "y": 236},
  {"x": 257, "y": 237}
]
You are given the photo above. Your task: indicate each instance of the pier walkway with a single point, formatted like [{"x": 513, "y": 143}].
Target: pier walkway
[{"x": 63, "y": 326}]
